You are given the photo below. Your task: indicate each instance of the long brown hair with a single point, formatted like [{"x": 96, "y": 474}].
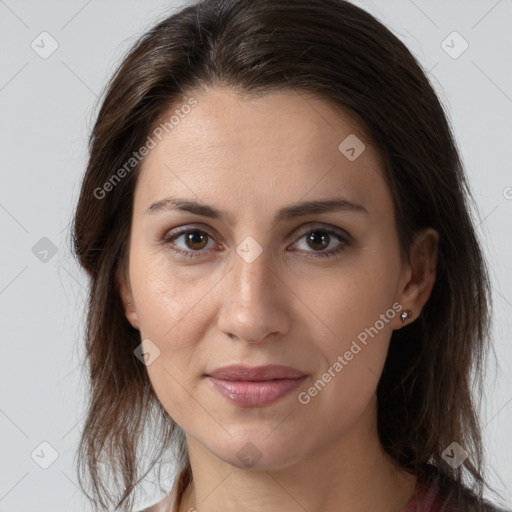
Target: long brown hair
[{"x": 340, "y": 53}]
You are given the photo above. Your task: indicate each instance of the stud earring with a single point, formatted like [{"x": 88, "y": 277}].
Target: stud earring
[{"x": 405, "y": 315}]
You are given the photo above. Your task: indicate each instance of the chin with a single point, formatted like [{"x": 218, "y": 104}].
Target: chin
[{"x": 260, "y": 452}]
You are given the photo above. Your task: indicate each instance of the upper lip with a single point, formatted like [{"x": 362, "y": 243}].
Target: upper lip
[{"x": 255, "y": 373}]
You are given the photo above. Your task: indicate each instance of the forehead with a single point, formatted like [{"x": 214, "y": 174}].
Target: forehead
[{"x": 253, "y": 146}]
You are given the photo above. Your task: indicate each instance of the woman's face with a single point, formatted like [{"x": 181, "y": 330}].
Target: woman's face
[{"x": 271, "y": 279}]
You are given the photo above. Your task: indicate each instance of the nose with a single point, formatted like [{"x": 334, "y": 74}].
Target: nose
[{"x": 254, "y": 299}]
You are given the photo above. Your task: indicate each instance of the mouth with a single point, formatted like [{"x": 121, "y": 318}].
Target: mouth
[{"x": 255, "y": 386}]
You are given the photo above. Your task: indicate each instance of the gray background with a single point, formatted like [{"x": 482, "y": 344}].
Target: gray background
[{"x": 47, "y": 110}]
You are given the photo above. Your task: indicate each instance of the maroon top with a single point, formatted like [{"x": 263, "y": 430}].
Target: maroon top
[{"x": 427, "y": 498}]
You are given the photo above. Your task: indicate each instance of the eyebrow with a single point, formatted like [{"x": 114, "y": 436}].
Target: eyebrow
[{"x": 287, "y": 213}]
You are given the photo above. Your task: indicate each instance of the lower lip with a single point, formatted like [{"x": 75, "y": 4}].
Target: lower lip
[{"x": 255, "y": 393}]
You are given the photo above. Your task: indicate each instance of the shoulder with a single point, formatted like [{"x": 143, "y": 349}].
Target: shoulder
[
  {"x": 170, "y": 503},
  {"x": 464, "y": 500},
  {"x": 474, "y": 505},
  {"x": 434, "y": 495},
  {"x": 164, "y": 505}
]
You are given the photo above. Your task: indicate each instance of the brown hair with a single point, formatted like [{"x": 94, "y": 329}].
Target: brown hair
[{"x": 340, "y": 53}]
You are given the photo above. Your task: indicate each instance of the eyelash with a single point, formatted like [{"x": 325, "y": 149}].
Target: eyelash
[{"x": 168, "y": 242}]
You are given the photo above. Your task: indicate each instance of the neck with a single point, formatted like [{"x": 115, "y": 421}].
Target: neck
[{"x": 350, "y": 474}]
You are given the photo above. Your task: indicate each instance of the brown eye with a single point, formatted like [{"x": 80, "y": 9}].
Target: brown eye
[
  {"x": 318, "y": 240},
  {"x": 191, "y": 242},
  {"x": 196, "y": 240}
]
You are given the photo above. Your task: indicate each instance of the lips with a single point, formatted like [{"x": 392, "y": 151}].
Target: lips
[
  {"x": 258, "y": 373},
  {"x": 255, "y": 386}
]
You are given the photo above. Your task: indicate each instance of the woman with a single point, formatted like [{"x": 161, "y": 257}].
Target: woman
[{"x": 286, "y": 284}]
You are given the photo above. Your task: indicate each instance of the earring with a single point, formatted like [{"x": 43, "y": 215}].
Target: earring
[
  {"x": 405, "y": 315},
  {"x": 128, "y": 305}
]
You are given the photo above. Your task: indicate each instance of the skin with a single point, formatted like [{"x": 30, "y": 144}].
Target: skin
[{"x": 251, "y": 157}]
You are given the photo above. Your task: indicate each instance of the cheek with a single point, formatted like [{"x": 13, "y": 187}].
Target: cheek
[
  {"x": 349, "y": 300},
  {"x": 167, "y": 297},
  {"x": 354, "y": 305},
  {"x": 353, "y": 359},
  {"x": 169, "y": 302}
]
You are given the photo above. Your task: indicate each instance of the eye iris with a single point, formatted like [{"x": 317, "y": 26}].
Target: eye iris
[
  {"x": 316, "y": 237},
  {"x": 196, "y": 238}
]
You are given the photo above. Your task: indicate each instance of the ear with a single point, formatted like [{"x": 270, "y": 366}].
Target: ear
[
  {"x": 125, "y": 292},
  {"x": 419, "y": 275}
]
